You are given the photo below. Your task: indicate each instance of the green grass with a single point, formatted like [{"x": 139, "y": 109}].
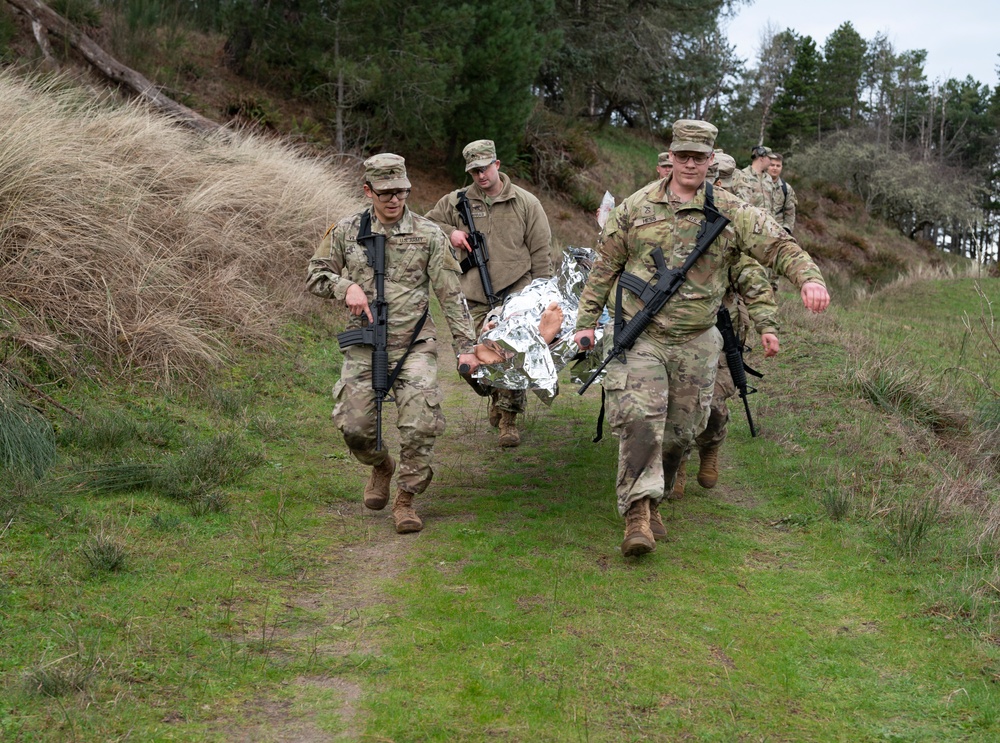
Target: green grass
[{"x": 831, "y": 587}]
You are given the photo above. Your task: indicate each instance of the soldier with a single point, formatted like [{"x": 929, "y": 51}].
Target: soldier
[
  {"x": 518, "y": 235},
  {"x": 659, "y": 400},
  {"x": 727, "y": 170},
  {"x": 663, "y": 165},
  {"x": 749, "y": 298},
  {"x": 417, "y": 255},
  {"x": 784, "y": 194},
  {"x": 756, "y": 185}
]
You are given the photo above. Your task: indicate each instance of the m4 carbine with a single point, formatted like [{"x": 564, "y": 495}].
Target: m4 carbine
[
  {"x": 375, "y": 333},
  {"x": 733, "y": 350},
  {"x": 479, "y": 258}
]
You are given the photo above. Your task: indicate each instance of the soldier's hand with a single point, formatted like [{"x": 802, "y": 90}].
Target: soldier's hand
[
  {"x": 815, "y": 297},
  {"x": 357, "y": 302},
  {"x": 460, "y": 239},
  {"x": 467, "y": 363},
  {"x": 770, "y": 343},
  {"x": 584, "y": 339}
]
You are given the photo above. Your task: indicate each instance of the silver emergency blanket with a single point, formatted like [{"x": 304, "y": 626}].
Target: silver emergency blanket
[{"x": 530, "y": 362}]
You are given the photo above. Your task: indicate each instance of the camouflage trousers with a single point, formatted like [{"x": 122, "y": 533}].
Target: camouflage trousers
[
  {"x": 419, "y": 418},
  {"x": 718, "y": 419},
  {"x": 657, "y": 403},
  {"x": 515, "y": 401}
]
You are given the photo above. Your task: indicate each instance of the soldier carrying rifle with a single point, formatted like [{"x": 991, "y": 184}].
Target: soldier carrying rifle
[
  {"x": 513, "y": 224},
  {"x": 658, "y": 391},
  {"x": 388, "y": 250}
]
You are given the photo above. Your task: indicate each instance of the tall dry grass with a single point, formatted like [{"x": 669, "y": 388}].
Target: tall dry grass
[{"x": 128, "y": 244}]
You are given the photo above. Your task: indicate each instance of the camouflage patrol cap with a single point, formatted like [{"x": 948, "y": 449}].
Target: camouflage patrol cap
[
  {"x": 692, "y": 135},
  {"x": 663, "y": 160},
  {"x": 727, "y": 165},
  {"x": 713, "y": 172},
  {"x": 386, "y": 170},
  {"x": 760, "y": 151},
  {"x": 479, "y": 154}
]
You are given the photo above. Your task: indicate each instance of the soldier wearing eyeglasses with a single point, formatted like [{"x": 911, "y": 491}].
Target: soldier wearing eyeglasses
[
  {"x": 418, "y": 258},
  {"x": 658, "y": 398},
  {"x": 518, "y": 237}
]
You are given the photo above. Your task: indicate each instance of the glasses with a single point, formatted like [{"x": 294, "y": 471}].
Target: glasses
[
  {"x": 386, "y": 196},
  {"x": 684, "y": 159},
  {"x": 480, "y": 171}
]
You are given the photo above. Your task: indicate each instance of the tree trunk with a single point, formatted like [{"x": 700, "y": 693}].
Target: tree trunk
[{"x": 111, "y": 68}]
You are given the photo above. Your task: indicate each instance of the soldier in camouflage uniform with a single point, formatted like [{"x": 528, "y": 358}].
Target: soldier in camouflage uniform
[
  {"x": 749, "y": 298},
  {"x": 663, "y": 165},
  {"x": 518, "y": 236},
  {"x": 418, "y": 257},
  {"x": 756, "y": 185},
  {"x": 659, "y": 400},
  {"x": 784, "y": 194}
]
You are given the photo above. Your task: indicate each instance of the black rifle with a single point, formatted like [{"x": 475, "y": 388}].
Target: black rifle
[
  {"x": 376, "y": 333},
  {"x": 655, "y": 292},
  {"x": 733, "y": 350},
  {"x": 480, "y": 255}
]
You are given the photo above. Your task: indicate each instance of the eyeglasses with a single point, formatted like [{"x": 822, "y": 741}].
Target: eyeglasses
[
  {"x": 480, "y": 171},
  {"x": 386, "y": 196},
  {"x": 684, "y": 159}
]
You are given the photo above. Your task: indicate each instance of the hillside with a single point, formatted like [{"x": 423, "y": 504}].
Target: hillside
[{"x": 184, "y": 551}]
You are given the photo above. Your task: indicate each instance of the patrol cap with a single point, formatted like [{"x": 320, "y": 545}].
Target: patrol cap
[
  {"x": 663, "y": 160},
  {"x": 712, "y": 173},
  {"x": 760, "y": 151},
  {"x": 386, "y": 170},
  {"x": 692, "y": 135},
  {"x": 479, "y": 154},
  {"x": 727, "y": 165}
]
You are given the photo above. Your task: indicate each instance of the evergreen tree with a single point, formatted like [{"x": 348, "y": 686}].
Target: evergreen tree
[
  {"x": 840, "y": 75},
  {"x": 796, "y": 109}
]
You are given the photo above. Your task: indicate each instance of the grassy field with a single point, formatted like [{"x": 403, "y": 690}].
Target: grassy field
[{"x": 840, "y": 583}]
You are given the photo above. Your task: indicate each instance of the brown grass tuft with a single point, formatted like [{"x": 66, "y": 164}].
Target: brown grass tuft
[{"x": 137, "y": 246}]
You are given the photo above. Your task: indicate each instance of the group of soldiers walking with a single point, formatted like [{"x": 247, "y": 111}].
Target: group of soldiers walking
[{"x": 659, "y": 398}]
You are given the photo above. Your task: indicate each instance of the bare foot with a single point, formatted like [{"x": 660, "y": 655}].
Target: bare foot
[{"x": 552, "y": 318}]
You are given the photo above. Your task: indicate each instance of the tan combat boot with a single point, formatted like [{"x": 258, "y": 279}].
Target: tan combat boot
[
  {"x": 638, "y": 536},
  {"x": 508, "y": 430},
  {"x": 708, "y": 468},
  {"x": 678, "y": 491},
  {"x": 495, "y": 414},
  {"x": 656, "y": 523},
  {"x": 377, "y": 489},
  {"x": 406, "y": 518}
]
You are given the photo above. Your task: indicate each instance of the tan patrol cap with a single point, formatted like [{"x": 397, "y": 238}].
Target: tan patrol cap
[
  {"x": 663, "y": 160},
  {"x": 727, "y": 165},
  {"x": 386, "y": 170},
  {"x": 692, "y": 135},
  {"x": 479, "y": 154}
]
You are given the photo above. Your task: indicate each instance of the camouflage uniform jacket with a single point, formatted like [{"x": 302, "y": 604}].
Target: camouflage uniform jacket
[
  {"x": 416, "y": 253},
  {"x": 657, "y": 219},
  {"x": 784, "y": 204},
  {"x": 748, "y": 281},
  {"x": 758, "y": 189},
  {"x": 517, "y": 235}
]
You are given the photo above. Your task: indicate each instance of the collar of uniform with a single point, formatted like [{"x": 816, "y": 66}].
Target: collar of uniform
[
  {"x": 403, "y": 226},
  {"x": 662, "y": 194},
  {"x": 507, "y": 192}
]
